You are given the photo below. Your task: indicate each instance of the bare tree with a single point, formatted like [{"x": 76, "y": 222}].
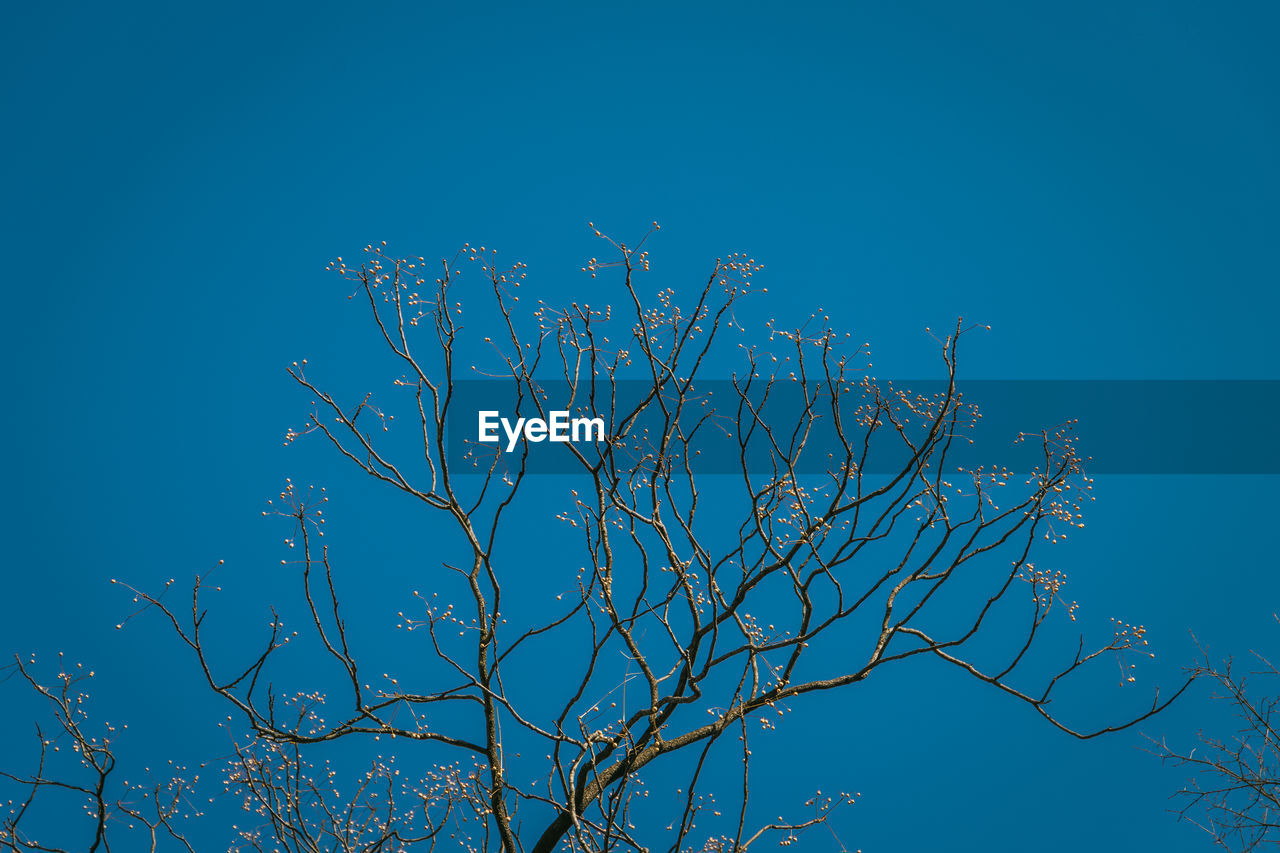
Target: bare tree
[
  {"x": 702, "y": 606},
  {"x": 1234, "y": 794}
]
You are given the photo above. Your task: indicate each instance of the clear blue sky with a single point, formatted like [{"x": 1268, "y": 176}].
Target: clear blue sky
[{"x": 1098, "y": 182}]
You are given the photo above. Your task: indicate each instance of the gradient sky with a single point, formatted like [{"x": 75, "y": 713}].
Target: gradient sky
[{"x": 1098, "y": 182}]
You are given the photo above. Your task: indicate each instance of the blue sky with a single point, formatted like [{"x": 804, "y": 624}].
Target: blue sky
[{"x": 1098, "y": 183}]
